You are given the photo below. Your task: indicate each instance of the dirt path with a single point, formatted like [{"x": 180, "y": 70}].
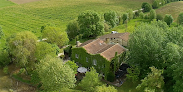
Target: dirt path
[{"x": 23, "y": 1}]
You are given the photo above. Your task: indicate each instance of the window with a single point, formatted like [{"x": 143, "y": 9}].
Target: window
[
  {"x": 76, "y": 55},
  {"x": 86, "y": 59},
  {"x": 94, "y": 62}
]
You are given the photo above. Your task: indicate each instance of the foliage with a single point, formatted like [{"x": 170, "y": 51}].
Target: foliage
[
  {"x": 146, "y": 7},
  {"x": 106, "y": 27},
  {"x": 5, "y": 70},
  {"x": 153, "y": 82},
  {"x": 141, "y": 15},
  {"x": 1, "y": 32},
  {"x": 145, "y": 46},
  {"x": 159, "y": 17},
  {"x": 4, "y": 57},
  {"x": 55, "y": 75},
  {"x": 72, "y": 29},
  {"x": 43, "y": 49},
  {"x": 168, "y": 19},
  {"x": 22, "y": 47},
  {"x": 125, "y": 17},
  {"x": 103, "y": 88},
  {"x": 133, "y": 73},
  {"x": 180, "y": 19},
  {"x": 72, "y": 65},
  {"x": 55, "y": 35},
  {"x": 111, "y": 18},
  {"x": 90, "y": 81},
  {"x": 90, "y": 24},
  {"x": 68, "y": 50},
  {"x": 155, "y": 4},
  {"x": 130, "y": 14},
  {"x": 152, "y": 14}
]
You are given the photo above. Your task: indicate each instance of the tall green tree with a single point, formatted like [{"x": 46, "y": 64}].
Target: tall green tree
[
  {"x": 145, "y": 47},
  {"x": 130, "y": 14},
  {"x": 153, "y": 82},
  {"x": 90, "y": 24},
  {"x": 43, "y": 49},
  {"x": 73, "y": 66},
  {"x": 155, "y": 4},
  {"x": 22, "y": 47},
  {"x": 90, "y": 81},
  {"x": 152, "y": 14},
  {"x": 55, "y": 35},
  {"x": 125, "y": 17},
  {"x": 111, "y": 18},
  {"x": 55, "y": 75},
  {"x": 168, "y": 19},
  {"x": 73, "y": 29},
  {"x": 180, "y": 19},
  {"x": 103, "y": 88}
]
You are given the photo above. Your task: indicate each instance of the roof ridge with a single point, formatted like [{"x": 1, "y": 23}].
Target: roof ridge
[
  {"x": 104, "y": 47},
  {"x": 108, "y": 48},
  {"x": 91, "y": 42}
]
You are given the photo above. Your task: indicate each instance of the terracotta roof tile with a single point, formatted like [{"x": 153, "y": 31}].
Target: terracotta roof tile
[{"x": 124, "y": 36}]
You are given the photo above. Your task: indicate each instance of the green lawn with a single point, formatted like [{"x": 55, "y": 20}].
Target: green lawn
[
  {"x": 173, "y": 8},
  {"x": 5, "y": 3}
]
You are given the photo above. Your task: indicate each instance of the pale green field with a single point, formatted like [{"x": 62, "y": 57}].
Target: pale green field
[{"x": 174, "y": 8}]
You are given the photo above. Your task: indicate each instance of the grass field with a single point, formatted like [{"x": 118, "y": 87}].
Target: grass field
[
  {"x": 173, "y": 8},
  {"x": 31, "y": 16},
  {"x": 5, "y": 3}
]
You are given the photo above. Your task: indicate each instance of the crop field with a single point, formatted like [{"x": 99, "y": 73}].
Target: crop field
[
  {"x": 31, "y": 16},
  {"x": 5, "y": 3},
  {"x": 173, "y": 8}
]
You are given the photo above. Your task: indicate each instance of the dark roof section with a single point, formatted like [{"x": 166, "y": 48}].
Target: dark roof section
[
  {"x": 124, "y": 36},
  {"x": 85, "y": 43}
]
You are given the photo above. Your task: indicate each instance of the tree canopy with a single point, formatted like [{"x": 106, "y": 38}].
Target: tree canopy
[
  {"x": 103, "y": 88},
  {"x": 55, "y": 35},
  {"x": 90, "y": 81},
  {"x": 73, "y": 29},
  {"x": 55, "y": 75},
  {"x": 73, "y": 66},
  {"x": 168, "y": 19},
  {"x": 180, "y": 19},
  {"x": 90, "y": 24},
  {"x": 22, "y": 47},
  {"x": 111, "y": 18}
]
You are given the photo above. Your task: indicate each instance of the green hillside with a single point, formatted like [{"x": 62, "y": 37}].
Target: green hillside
[
  {"x": 173, "y": 8},
  {"x": 5, "y": 3}
]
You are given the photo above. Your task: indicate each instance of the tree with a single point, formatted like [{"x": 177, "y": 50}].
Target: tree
[
  {"x": 146, "y": 7},
  {"x": 180, "y": 19},
  {"x": 90, "y": 81},
  {"x": 72, "y": 29},
  {"x": 145, "y": 46},
  {"x": 43, "y": 49},
  {"x": 141, "y": 15},
  {"x": 133, "y": 74},
  {"x": 55, "y": 35},
  {"x": 125, "y": 17},
  {"x": 103, "y": 88},
  {"x": 22, "y": 47},
  {"x": 90, "y": 24},
  {"x": 73, "y": 66},
  {"x": 159, "y": 17},
  {"x": 168, "y": 19},
  {"x": 111, "y": 18},
  {"x": 152, "y": 14},
  {"x": 55, "y": 75},
  {"x": 130, "y": 14},
  {"x": 155, "y": 4},
  {"x": 153, "y": 82}
]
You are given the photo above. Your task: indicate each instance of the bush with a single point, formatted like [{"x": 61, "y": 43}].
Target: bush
[
  {"x": 137, "y": 13},
  {"x": 141, "y": 15},
  {"x": 5, "y": 70},
  {"x": 159, "y": 17},
  {"x": 106, "y": 27},
  {"x": 155, "y": 4},
  {"x": 125, "y": 17},
  {"x": 146, "y": 16},
  {"x": 130, "y": 14},
  {"x": 152, "y": 14},
  {"x": 180, "y": 19},
  {"x": 147, "y": 8},
  {"x": 168, "y": 19}
]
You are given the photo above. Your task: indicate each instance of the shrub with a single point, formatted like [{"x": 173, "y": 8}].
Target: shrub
[
  {"x": 146, "y": 16},
  {"x": 159, "y": 17},
  {"x": 168, "y": 19},
  {"x": 106, "y": 27},
  {"x": 141, "y": 15},
  {"x": 155, "y": 4},
  {"x": 130, "y": 14},
  {"x": 125, "y": 17},
  {"x": 152, "y": 14},
  {"x": 180, "y": 19},
  {"x": 147, "y": 8}
]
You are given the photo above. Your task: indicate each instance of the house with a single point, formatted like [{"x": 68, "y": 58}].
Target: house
[
  {"x": 102, "y": 55},
  {"x": 113, "y": 38}
]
